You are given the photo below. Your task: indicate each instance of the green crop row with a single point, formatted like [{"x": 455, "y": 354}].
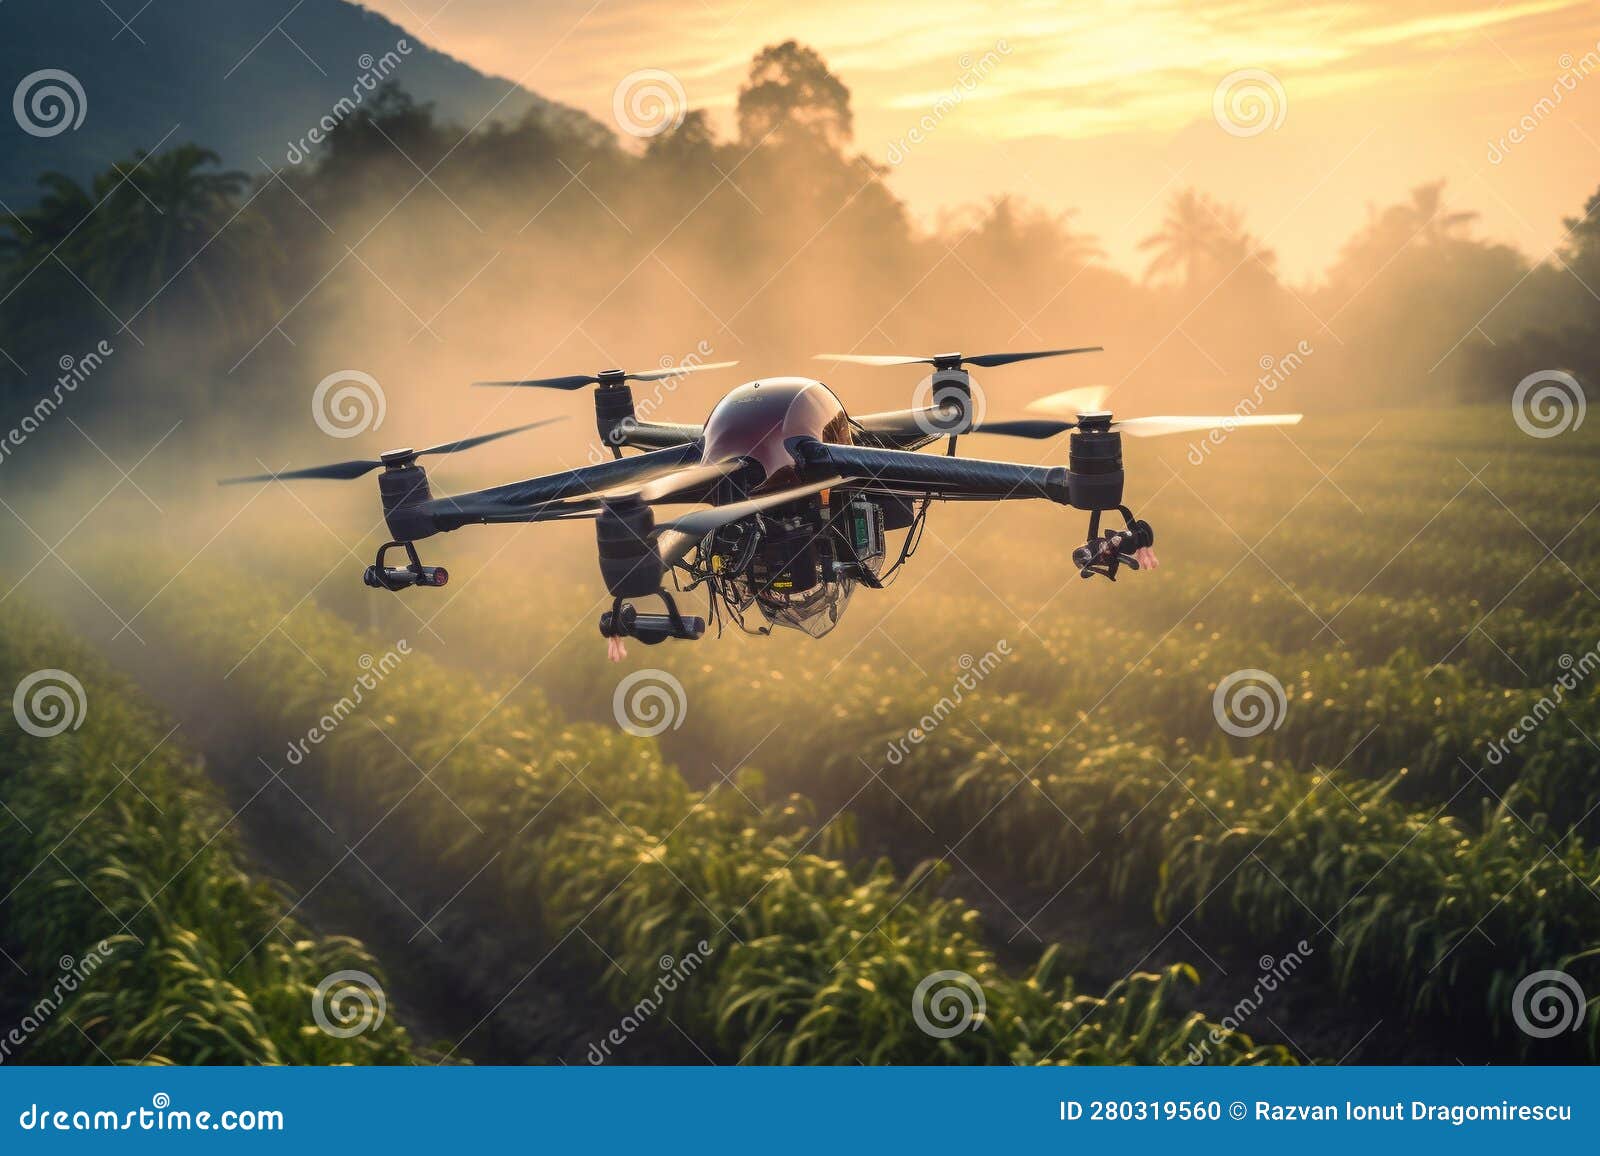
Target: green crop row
[
  {"x": 137, "y": 935},
  {"x": 1416, "y": 905}
]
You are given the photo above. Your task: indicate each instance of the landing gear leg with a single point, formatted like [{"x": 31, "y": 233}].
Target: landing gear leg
[
  {"x": 1105, "y": 554},
  {"x": 624, "y": 621}
]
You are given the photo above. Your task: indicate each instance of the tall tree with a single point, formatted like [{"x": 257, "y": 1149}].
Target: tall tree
[
  {"x": 159, "y": 220},
  {"x": 1199, "y": 236},
  {"x": 1428, "y": 218},
  {"x": 791, "y": 94}
]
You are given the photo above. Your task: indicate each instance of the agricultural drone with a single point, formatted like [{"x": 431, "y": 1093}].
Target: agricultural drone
[{"x": 799, "y": 496}]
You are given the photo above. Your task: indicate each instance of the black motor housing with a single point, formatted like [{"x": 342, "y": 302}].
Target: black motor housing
[
  {"x": 1095, "y": 458},
  {"x": 404, "y": 490},
  {"x": 629, "y": 560},
  {"x": 614, "y": 413}
]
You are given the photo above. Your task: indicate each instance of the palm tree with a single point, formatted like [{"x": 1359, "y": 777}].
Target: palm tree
[
  {"x": 1426, "y": 218},
  {"x": 148, "y": 228},
  {"x": 1199, "y": 233},
  {"x": 34, "y": 232},
  {"x": 166, "y": 211},
  {"x": 1187, "y": 238}
]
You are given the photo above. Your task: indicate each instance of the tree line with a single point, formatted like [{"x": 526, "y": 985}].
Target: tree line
[{"x": 780, "y": 238}]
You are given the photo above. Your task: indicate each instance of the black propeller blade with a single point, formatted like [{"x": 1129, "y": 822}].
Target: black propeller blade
[
  {"x": 687, "y": 484},
  {"x": 1035, "y": 428},
  {"x": 675, "y": 483},
  {"x": 673, "y": 539},
  {"x": 337, "y": 471},
  {"x": 954, "y": 360},
  {"x": 922, "y": 423},
  {"x": 348, "y": 471},
  {"x": 578, "y": 381},
  {"x": 673, "y": 486}
]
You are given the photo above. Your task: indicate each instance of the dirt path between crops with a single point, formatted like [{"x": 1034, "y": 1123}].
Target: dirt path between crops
[{"x": 468, "y": 987}]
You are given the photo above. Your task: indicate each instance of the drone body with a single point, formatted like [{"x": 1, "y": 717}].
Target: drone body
[{"x": 801, "y": 496}]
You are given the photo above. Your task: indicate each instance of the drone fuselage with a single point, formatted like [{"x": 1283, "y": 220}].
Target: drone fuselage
[
  {"x": 757, "y": 419},
  {"x": 791, "y": 577}
]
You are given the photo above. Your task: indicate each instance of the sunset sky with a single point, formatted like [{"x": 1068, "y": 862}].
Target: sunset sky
[{"x": 1105, "y": 108}]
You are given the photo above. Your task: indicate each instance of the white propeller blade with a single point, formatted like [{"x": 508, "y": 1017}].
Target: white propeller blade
[
  {"x": 1149, "y": 427},
  {"x": 679, "y": 370},
  {"x": 871, "y": 359},
  {"x": 1072, "y": 402}
]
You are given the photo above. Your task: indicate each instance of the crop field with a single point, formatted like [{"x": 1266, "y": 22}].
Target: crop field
[
  {"x": 1320, "y": 789},
  {"x": 140, "y": 935}
]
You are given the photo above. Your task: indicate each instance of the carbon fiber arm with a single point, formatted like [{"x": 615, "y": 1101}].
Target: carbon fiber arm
[
  {"x": 941, "y": 477},
  {"x": 520, "y": 501},
  {"x": 662, "y": 435},
  {"x": 897, "y": 429}
]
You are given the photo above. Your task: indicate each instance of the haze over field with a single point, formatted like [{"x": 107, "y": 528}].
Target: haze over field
[{"x": 1102, "y": 108}]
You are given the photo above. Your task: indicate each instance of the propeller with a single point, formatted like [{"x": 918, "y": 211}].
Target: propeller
[
  {"x": 919, "y": 423},
  {"x": 673, "y": 484},
  {"x": 924, "y": 423},
  {"x": 609, "y": 377},
  {"x": 695, "y": 525},
  {"x": 349, "y": 471},
  {"x": 1085, "y": 399},
  {"x": 1035, "y": 428},
  {"x": 954, "y": 360},
  {"x": 1090, "y": 401},
  {"x": 674, "y": 539},
  {"x": 666, "y": 487},
  {"x": 1150, "y": 427}
]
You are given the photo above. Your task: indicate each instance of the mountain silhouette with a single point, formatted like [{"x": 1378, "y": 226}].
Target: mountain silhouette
[{"x": 256, "y": 80}]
